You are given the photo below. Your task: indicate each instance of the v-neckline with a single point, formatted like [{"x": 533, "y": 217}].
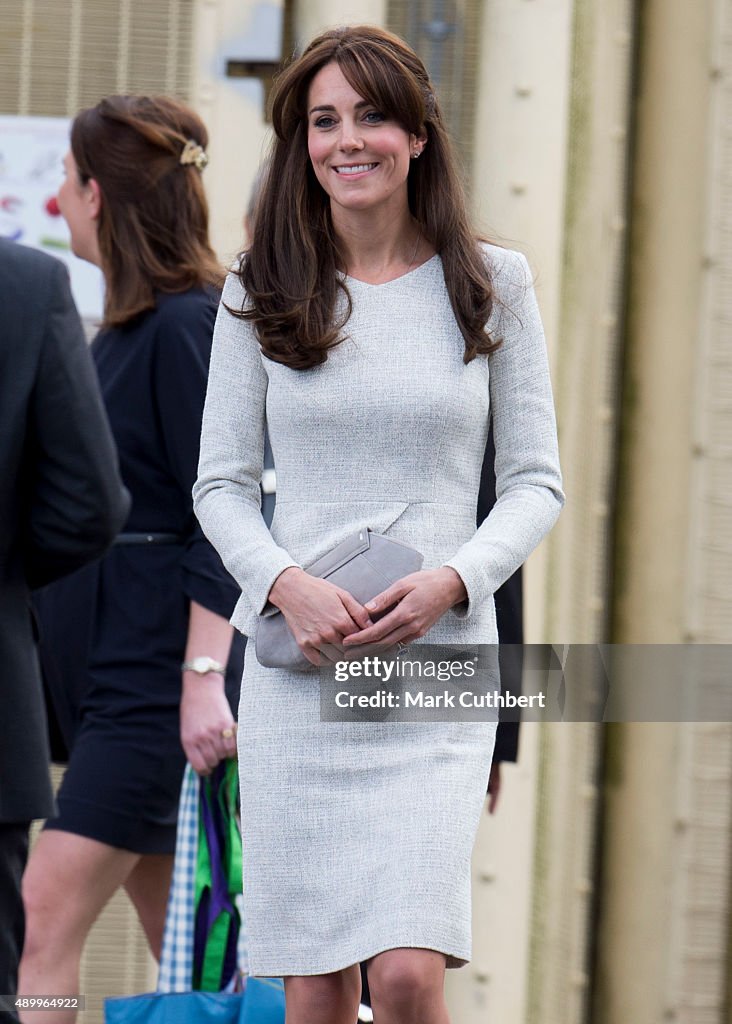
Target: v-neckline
[{"x": 383, "y": 284}]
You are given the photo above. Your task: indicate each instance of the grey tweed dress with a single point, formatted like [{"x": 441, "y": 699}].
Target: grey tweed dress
[{"x": 358, "y": 836}]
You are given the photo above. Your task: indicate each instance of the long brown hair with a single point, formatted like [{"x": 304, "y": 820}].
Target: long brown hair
[
  {"x": 289, "y": 272},
  {"x": 153, "y": 222}
]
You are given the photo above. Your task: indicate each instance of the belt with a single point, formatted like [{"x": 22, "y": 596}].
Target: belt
[{"x": 148, "y": 538}]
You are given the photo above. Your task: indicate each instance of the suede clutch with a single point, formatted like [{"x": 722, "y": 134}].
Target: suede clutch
[{"x": 364, "y": 565}]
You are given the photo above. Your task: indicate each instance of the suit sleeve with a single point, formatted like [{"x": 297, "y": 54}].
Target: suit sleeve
[
  {"x": 227, "y": 496},
  {"x": 77, "y": 502},
  {"x": 529, "y": 493},
  {"x": 182, "y": 353}
]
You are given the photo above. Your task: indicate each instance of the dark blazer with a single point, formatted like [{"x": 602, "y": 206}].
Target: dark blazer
[{"x": 61, "y": 496}]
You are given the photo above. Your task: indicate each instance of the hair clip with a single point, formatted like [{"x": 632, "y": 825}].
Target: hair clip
[{"x": 194, "y": 154}]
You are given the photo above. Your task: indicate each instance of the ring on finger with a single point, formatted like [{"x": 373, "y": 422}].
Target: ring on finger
[{"x": 226, "y": 734}]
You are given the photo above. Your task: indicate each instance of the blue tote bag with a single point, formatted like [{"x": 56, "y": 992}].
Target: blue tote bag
[{"x": 261, "y": 1002}]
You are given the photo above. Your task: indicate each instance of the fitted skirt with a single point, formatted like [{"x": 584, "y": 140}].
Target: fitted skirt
[{"x": 357, "y": 835}]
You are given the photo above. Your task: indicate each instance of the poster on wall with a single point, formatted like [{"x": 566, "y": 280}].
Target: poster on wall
[{"x": 31, "y": 170}]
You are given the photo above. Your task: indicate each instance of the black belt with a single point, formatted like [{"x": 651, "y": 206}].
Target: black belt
[{"x": 148, "y": 538}]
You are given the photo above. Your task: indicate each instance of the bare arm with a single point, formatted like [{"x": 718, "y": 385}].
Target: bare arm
[{"x": 205, "y": 714}]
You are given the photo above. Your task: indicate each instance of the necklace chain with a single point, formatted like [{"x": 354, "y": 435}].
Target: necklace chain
[
  {"x": 416, "y": 247},
  {"x": 414, "y": 253}
]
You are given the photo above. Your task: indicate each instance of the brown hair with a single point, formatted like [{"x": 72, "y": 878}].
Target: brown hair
[
  {"x": 289, "y": 272},
  {"x": 153, "y": 222}
]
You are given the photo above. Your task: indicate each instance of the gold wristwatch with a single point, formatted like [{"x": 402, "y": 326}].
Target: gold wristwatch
[{"x": 202, "y": 665}]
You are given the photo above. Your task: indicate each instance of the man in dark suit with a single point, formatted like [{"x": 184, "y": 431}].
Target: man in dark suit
[{"x": 61, "y": 503}]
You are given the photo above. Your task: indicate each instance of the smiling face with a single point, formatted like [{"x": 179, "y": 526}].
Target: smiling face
[
  {"x": 359, "y": 155},
  {"x": 79, "y": 204}
]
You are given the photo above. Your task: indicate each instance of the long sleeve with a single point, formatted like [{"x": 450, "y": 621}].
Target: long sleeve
[
  {"x": 227, "y": 497},
  {"x": 509, "y": 620},
  {"x": 181, "y": 358},
  {"x": 75, "y": 499},
  {"x": 529, "y": 493}
]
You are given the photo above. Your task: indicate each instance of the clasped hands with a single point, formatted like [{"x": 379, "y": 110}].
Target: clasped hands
[{"x": 329, "y": 623}]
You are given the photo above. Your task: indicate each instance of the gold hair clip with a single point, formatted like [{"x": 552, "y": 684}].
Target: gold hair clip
[{"x": 194, "y": 154}]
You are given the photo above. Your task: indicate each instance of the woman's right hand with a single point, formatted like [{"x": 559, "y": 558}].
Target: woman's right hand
[
  {"x": 207, "y": 726},
  {"x": 318, "y": 613}
]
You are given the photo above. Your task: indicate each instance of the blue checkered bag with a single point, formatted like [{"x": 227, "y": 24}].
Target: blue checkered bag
[{"x": 176, "y": 962}]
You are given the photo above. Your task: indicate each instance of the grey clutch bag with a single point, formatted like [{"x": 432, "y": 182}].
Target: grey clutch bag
[{"x": 364, "y": 565}]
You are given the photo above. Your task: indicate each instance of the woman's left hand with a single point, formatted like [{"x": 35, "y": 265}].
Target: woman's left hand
[
  {"x": 207, "y": 726},
  {"x": 417, "y": 601}
]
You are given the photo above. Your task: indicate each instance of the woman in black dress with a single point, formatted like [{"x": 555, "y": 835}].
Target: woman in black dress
[{"x": 120, "y": 633}]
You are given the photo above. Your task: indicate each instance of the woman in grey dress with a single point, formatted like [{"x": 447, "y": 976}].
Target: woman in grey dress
[{"x": 374, "y": 334}]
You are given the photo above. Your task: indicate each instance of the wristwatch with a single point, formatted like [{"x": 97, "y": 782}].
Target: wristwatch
[{"x": 202, "y": 665}]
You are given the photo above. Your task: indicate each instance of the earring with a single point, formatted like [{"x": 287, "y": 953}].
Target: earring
[{"x": 415, "y": 154}]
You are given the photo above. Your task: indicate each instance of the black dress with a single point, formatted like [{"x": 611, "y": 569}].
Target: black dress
[{"x": 113, "y": 635}]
